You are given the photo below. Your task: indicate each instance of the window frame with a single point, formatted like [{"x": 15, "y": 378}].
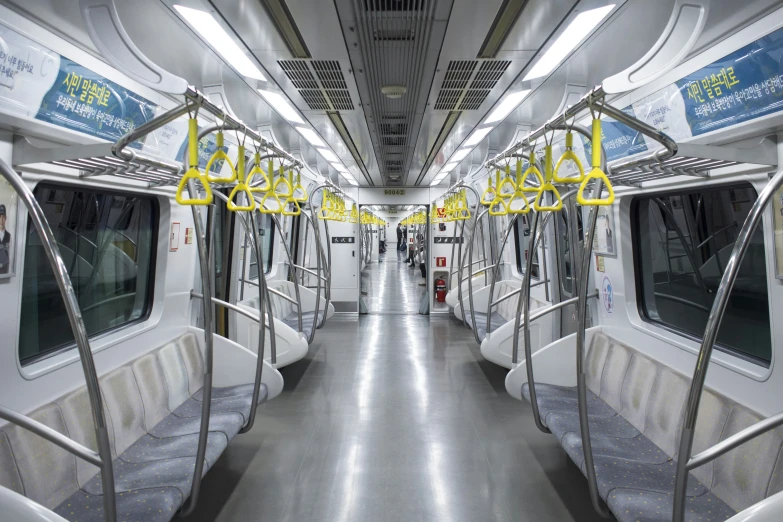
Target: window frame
[
  {"x": 248, "y": 249},
  {"x": 524, "y": 221},
  {"x": 153, "y": 266},
  {"x": 635, "y": 223}
]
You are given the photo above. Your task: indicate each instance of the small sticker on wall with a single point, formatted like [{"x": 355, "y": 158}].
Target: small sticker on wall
[
  {"x": 599, "y": 264},
  {"x": 607, "y": 295},
  {"x": 188, "y": 236},
  {"x": 174, "y": 239}
]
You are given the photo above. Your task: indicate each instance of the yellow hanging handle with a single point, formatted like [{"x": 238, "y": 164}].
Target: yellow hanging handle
[
  {"x": 532, "y": 170},
  {"x": 548, "y": 186},
  {"x": 298, "y": 187},
  {"x": 508, "y": 184},
  {"x": 241, "y": 186},
  {"x": 220, "y": 155},
  {"x": 193, "y": 172},
  {"x": 596, "y": 172},
  {"x": 489, "y": 195},
  {"x": 326, "y": 207},
  {"x": 519, "y": 195},
  {"x": 296, "y": 208},
  {"x": 569, "y": 155},
  {"x": 283, "y": 182},
  {"x": 258, "y": 171}
]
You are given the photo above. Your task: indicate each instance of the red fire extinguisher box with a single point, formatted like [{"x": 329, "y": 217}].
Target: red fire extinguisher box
[{"x": 440, "y": 290}]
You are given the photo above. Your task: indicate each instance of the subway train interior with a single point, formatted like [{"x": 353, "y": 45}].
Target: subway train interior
[{"x": 391, "y": 260}]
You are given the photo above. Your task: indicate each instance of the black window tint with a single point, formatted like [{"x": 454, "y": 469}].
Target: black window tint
[
  {"x": 522, "y": 236},
  {"x": 107, "y": 241},
  {"x": 682, "y": 244}
]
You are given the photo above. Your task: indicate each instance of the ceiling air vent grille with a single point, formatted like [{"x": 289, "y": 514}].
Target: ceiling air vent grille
[
  {"x": 396, "y": 6},
  {"x": 326, "y": 90},
  {"x": 465, "y": 88}
]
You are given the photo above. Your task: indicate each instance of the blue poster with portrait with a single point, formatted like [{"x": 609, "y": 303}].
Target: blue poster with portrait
[
  {"x": 207, "y": 146},
  {"x": 85, "y": 101}
]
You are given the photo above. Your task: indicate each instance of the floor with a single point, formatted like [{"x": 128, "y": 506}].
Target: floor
[
  {"x": 390, "y": 286},
  {"x": 394, "y": 418}
]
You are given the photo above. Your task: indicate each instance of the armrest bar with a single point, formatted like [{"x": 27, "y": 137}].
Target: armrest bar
[
  {"x": 55, "y": 437},
  {"x": 284, "y": 296},
  {"x": 749, "y": 433},
  {"x": 303, "y": 269},
  {"x": 233, "y": 308}
]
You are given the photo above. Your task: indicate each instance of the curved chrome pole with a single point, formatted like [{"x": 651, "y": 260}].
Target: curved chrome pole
[
  {"x": 319, "y": 254},
  {"x": 328, "y": 272},
  {"x": 317, "y": 280},
  {"x": 76, "y": 322},
  {"x": 205, "y": 253},
  {"x": 708, "y": 342},
  {"x": 291, "y": 268},
  {"x": 470, "y": 282},
  {"x": 263, "y": 298},
  {"x": 472, "y": 234},
  {"x": 496, "y": 267}
]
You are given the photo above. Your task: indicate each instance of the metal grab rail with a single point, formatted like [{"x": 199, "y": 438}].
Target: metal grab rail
[
  {"x": 461, "y": 185},
  {"x": 53, "y": 436},
  {"x": 517, "y": 291},
  {"x": 307, "y": 270},
  {"x": 76, "y": 322},
  {"x": 558, "y": 306},
  {"x": 494, "y": 275},
  {"x": 473, "y": 274},
  {"x": 229, "y": 306},
  {"x": 291, "y": 270},
  {"x": 736, "y": 440},
  {"x": 708, "y": 342},
  {"x": 319, "y": 259},
  {"x": 284, "y": 296}
]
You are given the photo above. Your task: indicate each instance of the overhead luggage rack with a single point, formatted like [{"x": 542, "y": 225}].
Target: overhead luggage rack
[{"x": 117, "y": 159}]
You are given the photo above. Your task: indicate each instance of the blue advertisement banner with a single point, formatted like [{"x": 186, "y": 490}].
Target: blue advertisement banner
[
  {"x": 84, "y": 101},
  {"x": 742, "y": 86},
  {"x": 207, "y": 146},
  {"x": 619, "y": 141}
]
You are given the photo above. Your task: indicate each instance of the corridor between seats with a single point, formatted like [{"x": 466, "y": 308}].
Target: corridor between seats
[
  {"x": 391, "y": 286},
  {"x": 394, "y": 418}
]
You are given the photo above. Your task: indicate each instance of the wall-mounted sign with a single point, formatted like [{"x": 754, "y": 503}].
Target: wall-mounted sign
[
  {"x": 343, "y": 240},
  {"x": 447, "y": 240},
  {"x": 174, "y": 238},
  {"x": 607, "y": 295},
  {"x": 599, "y": 264},
  {"x": 188, "y": 236},
  {"x": 603, "y": 239},
  {"x": 394, "y": 192},
  {"x": 777, "y": 205},
  {"x": 440, "y": 261}
]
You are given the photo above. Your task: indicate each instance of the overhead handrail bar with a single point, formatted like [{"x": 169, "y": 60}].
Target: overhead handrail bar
[
  {"x": 708, "y": 341},
  {"x": 76, "y": 322}
]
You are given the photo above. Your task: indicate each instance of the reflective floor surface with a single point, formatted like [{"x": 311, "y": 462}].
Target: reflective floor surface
[
  {"x": 390, "y": 286},
  {"x": 394, "y": 418}
]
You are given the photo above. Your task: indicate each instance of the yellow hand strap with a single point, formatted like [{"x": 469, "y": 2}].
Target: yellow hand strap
[
  {"x": 532, "y": 170},
  {"x": 270, "y": 196},
  {"x": 596, "y": 172},
  {"x": 296, "y": 210},
  {"x": 498, "y": 207},
  {"x": 569, "y": 155},
  {"x": 283, "y": 182},
  {"x": 489, "y": 195},
  {"x": 193, "y": 172},
  {"x": 299, "y": 187},
  {"x": 518, "y": 197},
  {"x": 258, "y": 171},
  {"x": 220, "y": 155},
  {"x": 548, "y": 186},
  {"x": 241, "y": 186},
  {"x": 508, "y": 184}
]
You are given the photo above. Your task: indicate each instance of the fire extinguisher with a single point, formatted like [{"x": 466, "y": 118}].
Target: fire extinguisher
[{"x": 440, "y": 290}]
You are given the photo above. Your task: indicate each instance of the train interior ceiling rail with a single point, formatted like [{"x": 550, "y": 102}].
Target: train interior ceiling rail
[{"x": 391, "y": 260}]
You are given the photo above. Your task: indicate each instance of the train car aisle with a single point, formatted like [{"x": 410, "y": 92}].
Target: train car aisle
[
  {"x": 391, "y": 285},
  {"x": 394, "y": 418}
]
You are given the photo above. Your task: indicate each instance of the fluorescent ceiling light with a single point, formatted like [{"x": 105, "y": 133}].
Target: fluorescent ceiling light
[
  {"x": 478, "y": 136},
  {"x": 339, "y": 167},
  {"x": 311, "y": 136},
  {"x": 329, "y": 155},
  {"x": 508, "y": 104},
  {"x": 460, "y": 154},
  {"x": 448, "y": 167},
  {"x": 279, "y": 104},
  {"x": 572, "y": 36},
  {"x": 211, "y": 31}
]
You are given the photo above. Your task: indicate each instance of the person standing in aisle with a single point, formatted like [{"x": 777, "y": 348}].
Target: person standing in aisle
[{"x": 399, "y": 237}]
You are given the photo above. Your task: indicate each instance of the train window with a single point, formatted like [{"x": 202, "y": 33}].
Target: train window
[
  {"x": 682, "y": 243},
  {"x": 564, "y": 250},
  {"x": 522, "y": 237},
  {"x": 267, "y": 230},
  {"x": 108, "y": 242}
]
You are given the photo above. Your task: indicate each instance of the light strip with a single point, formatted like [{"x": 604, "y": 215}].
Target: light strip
[
  {"x": 477, "y": 136},
  {"x": 329, "y": 155},
  {"x": 311, "y": 136},
  {"x": 460, "y": 154},
  {"x": 449, "y": 167},
  {"x": 211, "y": 31},
  {"x": 507, "y": 106},
  {"x": 571, "y": 37},
  {"x": 279, "y": 104}
]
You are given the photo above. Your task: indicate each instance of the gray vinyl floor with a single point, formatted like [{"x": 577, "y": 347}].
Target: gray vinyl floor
[
  {"x": 390, "y": 286},
  {"x": 394, "y": 418}
]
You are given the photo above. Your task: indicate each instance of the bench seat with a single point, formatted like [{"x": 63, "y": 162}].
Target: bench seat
[
  {"x": 635, "y": 411},
  {"x": 153, "y": 411}
]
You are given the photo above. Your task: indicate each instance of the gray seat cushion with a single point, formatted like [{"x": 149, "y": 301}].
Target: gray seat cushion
[
  {"x": 495, "y": 322},
  {"x": 613, "y": 473},
  {"x": 638, "y": 449},
  {"x": 561, "y": 399},
  {"x": 292, "y": 320},
  {"x": 143, "y": 505},
  {"x": 632, "y": 505},
  {"x": 617, "y": 427}
]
